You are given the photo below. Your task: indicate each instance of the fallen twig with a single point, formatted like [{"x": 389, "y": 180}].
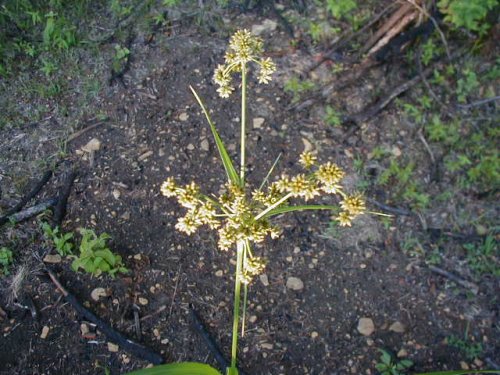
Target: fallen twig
[
  {"x": 209, "y": 341},
  {"x": 128, "y": 345},
  {"x": 466, "y": 284},
  {"x": 31, "y": 211},
  {"x": 479, "y": 102},
  {"x": 391, "y": 210},
  {"x": 33, "y": 192},
  {"x": 84, "y": 130},
  {"x": 60, "y": 208}
]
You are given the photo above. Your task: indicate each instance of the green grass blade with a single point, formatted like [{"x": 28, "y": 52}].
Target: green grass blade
[
  {"x": 282, "y": 210},
  {"x": 270, "y": 171},
  {"x": 184, "y": 368},
  {"x": 460, "y": 372},
  {"x": 232, "y": 175}
]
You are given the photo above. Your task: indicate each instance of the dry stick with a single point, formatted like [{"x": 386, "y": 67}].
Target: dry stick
[
  {"x": 396, "y": 16},
  {"x": 32, "y": 211},
  {"x": 175, "y": 292},
  {"x": 427, "y": 147},
  {"x": 60, "y": 209},
  {"x": 36, "y": 189},
  {"x": 391, "y": 210},
  {"x": 128, "y": 345},
  {"x": 209, "y": 341},
  {"x": 479, "y": 102},
  {"x": 84, "y": 130},
  {"x": 466, "y": 284},
  {"x": 346, "y": 38}
]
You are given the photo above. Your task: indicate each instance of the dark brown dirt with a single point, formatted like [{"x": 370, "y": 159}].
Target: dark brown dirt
[{"x": 154, "y": 130}]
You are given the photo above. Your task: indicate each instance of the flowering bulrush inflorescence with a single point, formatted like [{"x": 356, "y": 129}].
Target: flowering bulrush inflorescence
[
  {"x": 243, "y": 49},
  {"x": 239, "y": 218},
  {"x": 243, "y": 218}
]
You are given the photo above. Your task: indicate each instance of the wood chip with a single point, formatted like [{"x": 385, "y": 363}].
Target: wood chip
[
  {"x": 52, "y": 258},
  {"x": 258, "y": 122},
  {"x": 113, "y": 348},
  {"x": 45, "y": 332}
]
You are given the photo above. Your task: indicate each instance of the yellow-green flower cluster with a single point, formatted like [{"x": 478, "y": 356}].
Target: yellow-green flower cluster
[
  {"x": 252, "y": 266},
  {"x": 240, "y": 223},
  {"x": 352, "y": 206},
  {"x": 326, "y": 178},
  {"x": 199, "y": 212},
  {"x": 240, "y": 219},
  {"x": 243, "y": 49}
]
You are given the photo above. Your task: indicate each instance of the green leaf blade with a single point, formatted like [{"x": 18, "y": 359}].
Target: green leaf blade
[
  {"x": 285, "y": 209},
  {"x": 232, "y": 175},
  {"x": 184, "y": 368}
]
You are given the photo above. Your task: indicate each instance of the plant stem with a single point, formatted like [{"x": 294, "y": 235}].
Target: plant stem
[
  {"x": 236, "y": 312},
  {"x": 243, "y": 121},
  {"x": 273, "y": 206}
]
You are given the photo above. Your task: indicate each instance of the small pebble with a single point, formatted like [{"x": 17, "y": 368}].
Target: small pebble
[
  {"x": 52, "y": 258},
  {"x": 366, "y": 326},
  {"x": 143, "y": 301},
  {"x": 294, "y": 283},
  {"x": 45, "y": 332},
  {"x": 113, "y": 348}
]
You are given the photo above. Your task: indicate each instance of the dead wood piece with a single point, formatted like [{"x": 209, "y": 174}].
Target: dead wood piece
[
  {"x": 391, "y": 210},
  {"x": 345, "y": 38},
  {"x": 479, "y": 102},
  {"x": 114, "y": 336},
  {"x": 86, "y": 129},
  {"x": 390, "y": 23},
  {"x": 32, "y": 193},
  {"x": 31, "y": 211},
  {"x": 466, "y": 284},
  {"x": 60, "y": 208},
  {"x": 209, "y": 341},
  {"x": 137, "y": 321}
]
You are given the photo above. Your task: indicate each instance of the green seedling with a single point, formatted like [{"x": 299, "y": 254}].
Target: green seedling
[
  {"x": 468, "y": 14},
  {"x": 483, "y": 258},
  {"x": 120, "y": 58},
  {"x": 60, "y": 240},
  {"x": 340, "y": 8},
  {"x": 95, "y": 257},
  {"x": 388, "y": 365},
  {"x": 471, "y": 350},
  {"x": 298, "y": 88},
  {"x": 332, "y": 116},
  {"x": 5, "y": 260}
]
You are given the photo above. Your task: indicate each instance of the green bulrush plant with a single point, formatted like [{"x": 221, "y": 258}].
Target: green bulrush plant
[{"x": 242, "y": 218}]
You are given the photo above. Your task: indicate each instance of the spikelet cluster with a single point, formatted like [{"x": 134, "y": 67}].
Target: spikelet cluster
[{"x": 243, "y": 48}]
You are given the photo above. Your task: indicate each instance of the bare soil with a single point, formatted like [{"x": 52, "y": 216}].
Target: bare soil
[{"x": 151, "y": 128}]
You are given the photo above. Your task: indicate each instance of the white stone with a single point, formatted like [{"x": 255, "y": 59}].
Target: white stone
[
  {"x": 366, "y": 326},
  {"x": 183, "y": 116},
  {"x": 294, "y": 283},
  {"x": 97, "y": 293},
  {"x": 264, "y": 279},
  {"x": 267, "y": 25},
  {"x": 113, "y": 348},
  {"x": 93, "y": 145},
  {"x": 258, "y": 122},
  {"x": 204, "y": 145},
  {"x": 397, "y": 327}
]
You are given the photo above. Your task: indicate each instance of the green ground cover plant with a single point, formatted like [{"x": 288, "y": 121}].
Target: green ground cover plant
[
  {"x": 6, "y": 260},
  {"x": 95, "y": 257},
  {"x": 61, "y": 241}
]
